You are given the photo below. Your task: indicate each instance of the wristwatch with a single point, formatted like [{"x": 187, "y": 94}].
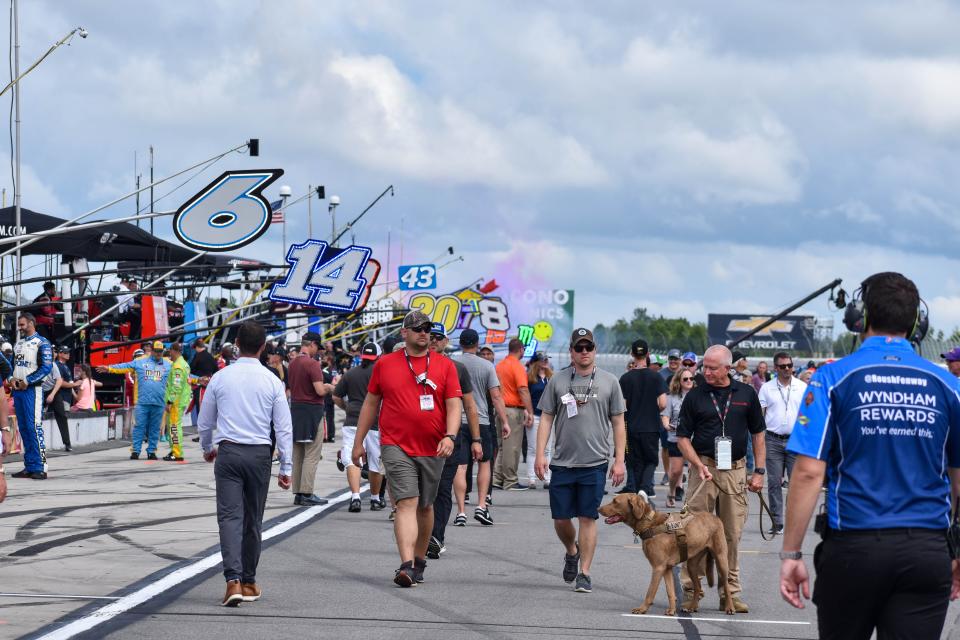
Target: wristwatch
[
  {"x": 759, "y": 471},
  {"x": 452, "y": 438},
  {"x": 791, "y": 555}
]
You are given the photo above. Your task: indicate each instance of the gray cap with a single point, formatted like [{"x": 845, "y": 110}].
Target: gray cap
[
  {"x": 674, "y": 353},
  {"x": 416, "y": 319}
]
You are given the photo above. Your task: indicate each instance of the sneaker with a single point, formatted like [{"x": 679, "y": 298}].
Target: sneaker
[
  {"x": 776, "y": 530},
  {"x": 251, "y": 592},
  {"x": 679, "y": 494},
  {"x": 466, "y": 499},
  {"x": 234, "y": 595},
  {"x": 664, "y": 480},
  {"x": 519, "y": 487},
  {"x": 195, "y": 439},
  {"x": 376, "y": 505},
  {"x": 435, "y": 548},
  {"x": 461, "y": 519},
  {"x": 489, "y": 500},
  {"x": 151, "y": 456},
  {"x": 340, "y": 466},
  {"x": 355, "y": 506},
  {"x": 23, "y": 473},
  {"x": 134, "y": 456},
  {"x": 571, "y": 566},
  {"x": 68, "y": 448},
  {"x": 393, "y": 514},
  {"x": 546, "y": 485},
  {"x": 38, "y": 475},
  {"x": 404, "y": 576},
  {"x": 583, "y": 584},
  {"x": 482, "y": 516},
  {"x": 419, "y": 564},
  {"x": 172, "y": 458},
  {"x": 625, "y": 490}
]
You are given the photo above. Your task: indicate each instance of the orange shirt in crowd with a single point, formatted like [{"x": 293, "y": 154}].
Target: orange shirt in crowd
[{"x": 513, "y": 377}]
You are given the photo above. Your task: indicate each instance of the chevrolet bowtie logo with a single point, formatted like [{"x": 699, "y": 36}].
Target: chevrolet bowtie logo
[{"x": 749, "y": 324}]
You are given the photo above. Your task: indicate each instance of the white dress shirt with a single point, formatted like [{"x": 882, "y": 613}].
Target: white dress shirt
[
  {"x": 781, "y": 404},
  {"x": 240, "y": 402}
]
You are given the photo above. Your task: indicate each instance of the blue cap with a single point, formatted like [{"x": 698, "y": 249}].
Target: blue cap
[
  {"x": 437, "y": 329},
  {"x": 690, "y": 355}
]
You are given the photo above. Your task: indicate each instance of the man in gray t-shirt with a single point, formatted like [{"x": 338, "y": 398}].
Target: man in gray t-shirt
[
  {"x": 586, "y": 404},
  {"x": 483, "y": 375}
]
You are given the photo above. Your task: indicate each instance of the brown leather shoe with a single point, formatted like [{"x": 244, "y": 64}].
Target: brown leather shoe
[
  {"x": 251, "y": 592},
  {"x": 234, "y": 595},
  {"x": 739, "y": 606}
]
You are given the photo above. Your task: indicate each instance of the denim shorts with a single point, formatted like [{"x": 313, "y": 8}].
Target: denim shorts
[{"x": 576, "y": 492}]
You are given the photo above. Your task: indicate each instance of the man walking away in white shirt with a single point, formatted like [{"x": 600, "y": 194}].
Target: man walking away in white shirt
[
  {"x": 780, "y": 400},
  {"x": 244, "y": 402}
]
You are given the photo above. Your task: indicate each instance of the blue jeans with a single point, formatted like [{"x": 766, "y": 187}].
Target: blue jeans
[{"x": 148, "y": 421}]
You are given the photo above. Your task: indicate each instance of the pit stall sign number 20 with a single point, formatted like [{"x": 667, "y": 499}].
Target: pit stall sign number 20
[{"x": 448, "y": 309}]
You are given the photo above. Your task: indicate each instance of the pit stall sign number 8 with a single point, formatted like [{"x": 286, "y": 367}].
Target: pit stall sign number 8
[{"x": 417, "y": 277}]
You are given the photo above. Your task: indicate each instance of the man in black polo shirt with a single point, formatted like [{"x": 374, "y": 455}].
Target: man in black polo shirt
[
  {"x": 715, "y": 421},
  {"x": 645, "y": 393}
]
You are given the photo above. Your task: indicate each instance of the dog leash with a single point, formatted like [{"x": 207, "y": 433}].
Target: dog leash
[{"x": 763, "y": 506}]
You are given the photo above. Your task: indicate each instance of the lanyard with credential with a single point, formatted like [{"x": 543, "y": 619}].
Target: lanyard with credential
[
  {"x": 421, "y": 379},
  {"x": 586, "y": 397},
  {"x": 786, "y": 401},
  {"x": 726, "y": 410}
]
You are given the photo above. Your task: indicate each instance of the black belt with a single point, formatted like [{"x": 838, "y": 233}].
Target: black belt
[
  {"x": 777, "y": 435},
  {"x": 513, "y": 406},
  {"x": 897, "y": 531}
]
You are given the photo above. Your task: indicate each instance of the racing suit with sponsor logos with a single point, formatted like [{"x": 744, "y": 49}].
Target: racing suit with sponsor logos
[{"x": 32, "y": 361}]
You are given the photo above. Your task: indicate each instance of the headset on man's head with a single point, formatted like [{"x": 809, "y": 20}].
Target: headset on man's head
[{"x": 855, "y": 315}]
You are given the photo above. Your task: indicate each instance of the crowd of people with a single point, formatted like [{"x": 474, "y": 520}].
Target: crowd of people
[{"x": 427, "y": 425}]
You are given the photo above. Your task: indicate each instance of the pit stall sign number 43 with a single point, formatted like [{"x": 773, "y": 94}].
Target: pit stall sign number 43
[{"x": 417, "y": 277}]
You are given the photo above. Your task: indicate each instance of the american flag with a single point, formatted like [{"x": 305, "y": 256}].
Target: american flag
[{"x": 277, "y": 212}]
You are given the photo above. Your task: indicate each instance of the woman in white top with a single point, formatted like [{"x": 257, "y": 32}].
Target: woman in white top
[{"x": 680, "y": 385}]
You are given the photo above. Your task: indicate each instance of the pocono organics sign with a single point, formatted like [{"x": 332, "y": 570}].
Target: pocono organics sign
[{"x": 791, "y": 333}]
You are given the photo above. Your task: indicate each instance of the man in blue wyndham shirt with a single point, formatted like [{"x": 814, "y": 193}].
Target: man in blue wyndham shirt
[
  {"x": 32, "y": 360},
  {"x": 884, "y": 424}
]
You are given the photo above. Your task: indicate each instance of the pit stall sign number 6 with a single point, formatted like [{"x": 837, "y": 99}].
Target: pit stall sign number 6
[
  {"x": 337, "y": 280},
  {"x": 417, "y": 277}
]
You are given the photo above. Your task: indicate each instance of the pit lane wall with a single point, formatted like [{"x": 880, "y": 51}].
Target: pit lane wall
[{"x": 88, "y": 427}]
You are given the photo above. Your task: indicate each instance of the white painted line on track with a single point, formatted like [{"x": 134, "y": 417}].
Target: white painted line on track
[
  {"x": 56, "y": 596},
  {"x": 737, "y": 619},
  {"x": 183, "y": 574}
]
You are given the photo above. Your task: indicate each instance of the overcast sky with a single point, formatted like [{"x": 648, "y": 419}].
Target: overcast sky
[{"x": 688, "y": 157}]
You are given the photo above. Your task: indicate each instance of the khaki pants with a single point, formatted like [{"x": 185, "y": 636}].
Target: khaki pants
[
  {"x": 505, "y": 468},
  {"x": 730, "y": 501},
  {"x": 306, "y": 457}
]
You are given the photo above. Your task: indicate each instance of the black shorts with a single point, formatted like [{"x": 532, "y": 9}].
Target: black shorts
[
  {"x": 488, "y": 440},
  {"x": 461, "y": 448},
  {"x": 674, "y": 450}
]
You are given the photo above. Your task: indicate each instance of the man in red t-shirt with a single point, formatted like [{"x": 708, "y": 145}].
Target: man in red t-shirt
[
  {"x": 307, "y": 395},
  {"x": 418, "y": 399}
]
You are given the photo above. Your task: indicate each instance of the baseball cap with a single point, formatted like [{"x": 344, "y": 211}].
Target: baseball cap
[
  {"x": 950, "y": 356},
  {"x": 415, "y": 319},
  {"x": 690, "y": 355},
  {"x": 370, "y": 351},
  {"x": 199, "y": 343},
  {"x": 157, "y": 345},
  {"x": 63, "y": 349},
  {"x": 655, "y": 359},
  {"x": 469, "y": 338},
  {"x": 581, "y": 334},
  {"x": 673, "y": 353},
  {"x": 437, "y": 329},
  {"x": 487, "y": 347},
  {"x": 738, "y": 356},
  {"x": 138, "y": 353},
  {"x": 312, "y": 336},
  {"x": 639, "y": 348},
  {"x": 6, "y": 346}
]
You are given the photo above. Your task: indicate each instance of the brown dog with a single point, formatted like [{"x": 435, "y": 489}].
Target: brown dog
[{"x": 702, "y": 533}]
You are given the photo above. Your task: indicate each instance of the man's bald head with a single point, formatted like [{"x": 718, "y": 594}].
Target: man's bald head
[{"x": 716, "y": 365}]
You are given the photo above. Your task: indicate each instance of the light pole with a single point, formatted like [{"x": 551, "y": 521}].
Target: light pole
[
  {"x": 285, "y": 192},
  {"x": 15, "y": 84},
  {"x": 332, "y": 208}
]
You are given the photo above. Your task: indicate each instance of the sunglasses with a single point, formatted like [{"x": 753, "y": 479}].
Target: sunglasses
[
  {"x": 687, "y": 379},
  {"x": 784, "y": 367},
  {"x": 421, "y": 329},
  {"x": 584, "y": 347},
  {"x": 437, "y": 337},
  {"x": 687, "y": 363}
]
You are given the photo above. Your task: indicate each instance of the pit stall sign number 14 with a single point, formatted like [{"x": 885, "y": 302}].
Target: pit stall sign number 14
[{"x": 416, "y": 277}]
